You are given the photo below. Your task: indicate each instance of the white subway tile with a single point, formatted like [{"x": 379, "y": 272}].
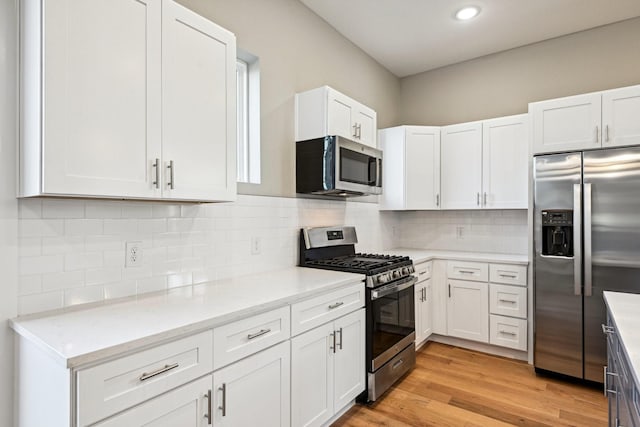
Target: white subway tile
[
  {"x": 83, "y": 295},
  {"x": 114, "y": 258},
  {"x": 83, "y": 227},
  {"x": 52, "y": 208},
  {"x": 161, "y": 210},
  {"x": 30, "y": 208},
  {"x": 83, "y": 260},
  {"x": 62, "y": 245},
  {"x": 103, "y": 243},
  {"x": 29, "y": 246},
  {"x": 101, "y": 276},
  {"x": 40, "y": 264},
  {"x": 137, "y": 210},
  {"x": 137, "y": 272},
  {"x": 157, "y": 225},
  {"x": 121, "y": 226},
  {"x": 106, "y": 209},
  {"x": 152, "y": 284},
  {"x": 193, "y": 211},
  {"x": 40, "y": 227},
  {"x": 64, "y": 280},
  {"x": 120, "y": 289},
  {"x": 36, "y": 303},
  {"x": 30, "y": 285},
  {"x": 182, "y": 279}
]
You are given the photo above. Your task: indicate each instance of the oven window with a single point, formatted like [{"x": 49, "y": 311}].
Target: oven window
[
  {"x": 357, "y": 167},
  {"x": 393, "y": 320}
]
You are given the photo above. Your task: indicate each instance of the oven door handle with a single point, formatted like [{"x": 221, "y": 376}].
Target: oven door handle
[{"x": 387, "y": 290}]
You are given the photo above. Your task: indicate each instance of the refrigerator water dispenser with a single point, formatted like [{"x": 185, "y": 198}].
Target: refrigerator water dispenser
[{"x": 557, "y": 233}]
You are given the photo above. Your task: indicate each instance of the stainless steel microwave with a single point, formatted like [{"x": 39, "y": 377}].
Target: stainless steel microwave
[{"x": 336, "y": 166}]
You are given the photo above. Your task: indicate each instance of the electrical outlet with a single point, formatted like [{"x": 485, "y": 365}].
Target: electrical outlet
[
  {"x": 133, "y": 254},
  {"x": 256, "y": 245},
  {"x": 460, "y": 232}
]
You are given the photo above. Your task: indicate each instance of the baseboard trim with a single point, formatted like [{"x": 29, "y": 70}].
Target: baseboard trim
[{"x": 477, "y": 346}]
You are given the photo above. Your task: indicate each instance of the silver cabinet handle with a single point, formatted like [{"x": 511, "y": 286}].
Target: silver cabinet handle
[
  {"x": 507, "y": 300},
  {"x": 597, "y": 134},
  {"x": 478, "y": 199},
  {"x": 355, "y": 130},
  {"x": 577, "y": 239},
  {"x": 422, "y": 295},
  {"x": 336, "y": 305},
  {"x": 608, "y": 374},
  {"x": 607, "y": 133},
  {"x": 156, "y": 165},
  {"x": 258, "y": 334},
  {"x": 333, "y": 337},
  {"x": 485, "y": 198},
  {"x": 171, "y": 168},
  {"x": 606, "y": 329},
  {"x": 223, "y": 407},
  {"x": 466, "y": 271},
  {"x": 359, "y": 130},
  {"x": 513, "y": 334},
  {"x": 340, "y": 343},
  {"x": 438, "y": 199},
  {"x": 588, "y": 283},
  {"x": 208, "y": 414},
  {"x": 449, "y": 290},
  {"x": 424, "y": 290},
  {"x": 397, "y": 364},
  {"x": 166, "y": 368},
  {"x": 510, "y": 276},
  {"x": 421, "y": 273}
]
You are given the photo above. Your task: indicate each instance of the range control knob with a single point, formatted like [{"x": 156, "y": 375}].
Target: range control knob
[{"x": 396, "y": 274}]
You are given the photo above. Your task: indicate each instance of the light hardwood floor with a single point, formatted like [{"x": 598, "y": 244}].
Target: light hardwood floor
[{"x": 451, "y": 386}]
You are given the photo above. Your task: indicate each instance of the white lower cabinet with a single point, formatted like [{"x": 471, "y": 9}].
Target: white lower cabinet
[
  {"x": 423, "y": 304},
  {"x": 185, "y": 406},
  {"x": 254, "y": 391},
  {"x": 327, "y": 369},
  {"x": 508, "y": 332},
  {"x": 468, "y": 310}
]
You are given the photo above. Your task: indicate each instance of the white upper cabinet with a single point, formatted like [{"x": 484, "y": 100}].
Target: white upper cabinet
[
  {"x": 587, "y": 122},
  {"x": 325, "y": 111},
  {"x": 411, "y": 168},
  {"x": 461, "y": 163},
  {"x": 505, "y": 162},
  {"x": 108, "y": 87},
  {"x": 620, "y": 117},
  {"x": 198, "y": 115}
]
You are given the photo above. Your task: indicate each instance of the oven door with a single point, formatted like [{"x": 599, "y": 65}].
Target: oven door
[
  {"x": 358, "y": 167},
  {"x": 392, "y": 317}
]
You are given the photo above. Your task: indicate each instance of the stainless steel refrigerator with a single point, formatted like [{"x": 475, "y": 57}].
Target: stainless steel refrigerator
[{"x": 586, "y": 240}]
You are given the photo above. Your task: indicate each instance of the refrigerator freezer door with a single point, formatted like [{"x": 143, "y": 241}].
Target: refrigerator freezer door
[
  {"x": 557, "y": 303},
  {"x": 614, "y": 178}
]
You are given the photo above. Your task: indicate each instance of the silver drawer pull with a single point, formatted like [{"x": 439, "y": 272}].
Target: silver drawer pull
[
  {"x": 420, "y": 273},
  {"x": 208, "y": 414},
  {"x": 397, "y": 364},
  {"x": 336, "y": 305},
  {"x": 608, "y": 329},
  {"x": 223, "y": 407},
  {"x": 466, "y": 271},
  {"x": 507, "y": 300},
  {"x": 166, "y": 368},
  {"x": 258, "y": 334},
  {"x": 510, "y": 276},
  {"x": 513, "y": 334}
]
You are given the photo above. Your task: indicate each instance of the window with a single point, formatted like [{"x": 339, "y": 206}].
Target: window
[{"x": 248, "y": 98}]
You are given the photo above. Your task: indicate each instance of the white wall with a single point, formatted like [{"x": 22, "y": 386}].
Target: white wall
[{"x": 8, "y": 204}]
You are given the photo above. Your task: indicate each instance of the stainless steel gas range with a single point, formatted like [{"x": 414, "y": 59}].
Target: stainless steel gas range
[{"x": 390, "y": 307}]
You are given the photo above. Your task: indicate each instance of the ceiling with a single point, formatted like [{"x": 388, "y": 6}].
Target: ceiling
[{"x": 412, "y": 36}]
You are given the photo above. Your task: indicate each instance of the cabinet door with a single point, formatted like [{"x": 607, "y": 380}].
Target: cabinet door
[
  {"x": 505, "y": 155},
  {"x": 349, "y": 367},
  {"x": 423, "y": 302},
  {"x": 254, "y": 391},
  {"x": 340, "y": 115},
  {"x": 181, "y": 407},
  {"x": 422, "y": 163},
  {"x": 366, "y": 123},
  {"x": 101, "y": 97},
  {"x": 440, "y": 297},
  {"x": 199, "y": 107},
  {"x": 620, "y": 112},
  {"x": 461, "y": 165},
  {"x": 468, "y": 310},
  {"x": 312, "y": 377},
  {"x": 566, "y": 124}
]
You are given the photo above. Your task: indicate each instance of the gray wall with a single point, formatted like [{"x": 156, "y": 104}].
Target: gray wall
[
  {"x": 8, "y": 204},
  {"x": 298, "y": 51},
  {"x": 504, "y": 83}
]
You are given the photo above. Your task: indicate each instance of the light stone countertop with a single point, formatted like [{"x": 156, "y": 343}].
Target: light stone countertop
[
  {"x": 80, "y": 336},
  {"x": 625, "y": 309},
  {"x": 421, "y": 255}
]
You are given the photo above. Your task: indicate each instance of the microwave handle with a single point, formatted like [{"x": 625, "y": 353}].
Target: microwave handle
[{"x": 378, "y": 172}]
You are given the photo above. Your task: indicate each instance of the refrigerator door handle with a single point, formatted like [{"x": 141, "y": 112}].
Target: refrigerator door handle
[
  {"x": 577, "y": 239},
  {"x": 588, "y": 282}
]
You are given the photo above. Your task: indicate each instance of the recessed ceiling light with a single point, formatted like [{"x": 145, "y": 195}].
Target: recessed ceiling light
[{"x": 467, "y": 13}]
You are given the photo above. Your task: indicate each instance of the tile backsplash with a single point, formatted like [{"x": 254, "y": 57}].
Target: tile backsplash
[{"x": 73, "y": 251}]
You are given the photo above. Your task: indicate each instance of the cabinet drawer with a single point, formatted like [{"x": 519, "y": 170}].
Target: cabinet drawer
[
  {"x": 508, "y": 300},
  {"x": 423, "y": 271},
  {"x": 119, "y": 384},
  {"x": 314, "y": 312},
  {"x": 508, "y": 332},
  {"x": 247, "y": 336},
  {"x": 508, "y": 274},
  {"x": 477, "y": 271}
]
